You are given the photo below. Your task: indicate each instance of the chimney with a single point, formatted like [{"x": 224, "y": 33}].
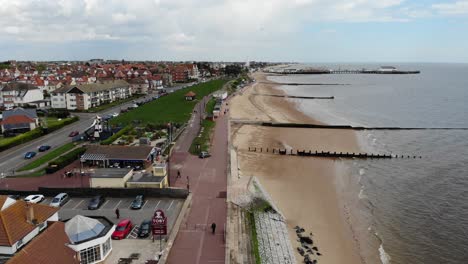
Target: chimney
[{"x": 30, "y": 214}]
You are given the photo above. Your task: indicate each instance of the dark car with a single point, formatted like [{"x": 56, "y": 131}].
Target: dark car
[
  {"x": 44, "y": 148},
  {"x": 30, "y": 155},
  {"x": 138, "y": 202},
  {"x": 145, "y": 229},
  {"x": 14, "y": 196},
  {"x": 204, "y": 154},
  {"x": 74, "y": 134},
  {"x": 96, "y": 202}
]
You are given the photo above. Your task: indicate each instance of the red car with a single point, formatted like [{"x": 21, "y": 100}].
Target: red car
[
  {"x": 124, "y": 227},
  {"x": 74, "y": 133}
]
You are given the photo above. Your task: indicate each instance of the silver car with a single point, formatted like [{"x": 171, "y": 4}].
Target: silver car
[{"x": 59, "y": 200}]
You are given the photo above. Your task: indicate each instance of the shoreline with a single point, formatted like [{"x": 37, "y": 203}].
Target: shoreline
[{"x": 304, "y": 189}]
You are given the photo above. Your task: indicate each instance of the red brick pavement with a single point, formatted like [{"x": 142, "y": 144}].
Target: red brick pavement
[
  {"x": 49, "y": 180},
  {"x": 208, "y": 182}
]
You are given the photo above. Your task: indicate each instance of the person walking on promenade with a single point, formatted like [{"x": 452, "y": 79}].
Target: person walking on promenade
[
  {"x": 213, "y": 228},
  {"x": 178, "y": 173},
  {"x": 117, "y": 213}
]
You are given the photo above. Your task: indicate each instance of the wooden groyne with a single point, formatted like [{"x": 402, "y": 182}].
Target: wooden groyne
[
  {"x": 293, "y": 96},
  {"x": 345, "y": 72},
  {"x": 299, "y": 84},
  {"x": 299, "y": 125},
  {"x": 329, "y": 154}
]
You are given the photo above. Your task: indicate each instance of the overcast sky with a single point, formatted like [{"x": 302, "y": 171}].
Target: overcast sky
[{"x": 236, "y": 30}]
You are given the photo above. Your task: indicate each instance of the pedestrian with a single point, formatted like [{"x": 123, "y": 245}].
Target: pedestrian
[
  {"x": 178, "y": 173},
  {"x": 213, "y": 228},
  {"x": 117, "y": 213},
  {"x": 188, "y": 187}
]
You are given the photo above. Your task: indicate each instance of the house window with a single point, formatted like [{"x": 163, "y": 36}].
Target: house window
[
  {"x": 19, "y": 243},
  {"x": 90, "y": 255}
]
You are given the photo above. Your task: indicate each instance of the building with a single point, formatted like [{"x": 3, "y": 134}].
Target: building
[
  {"x": 110, "y": 177},
  {"x": 190, "y": 96},
  {"x": 20, "y": 222},
  {"x": 19, "y": 94},
  {"x": 156, "y": 179},
  {"x": 85, "y": 96},
  {"x": 114, "y": 156},
  {"x": 180, "y": 73},
  {"x": 139, "y": 85},
  {"x": 81, "y": 239},
  {"x": 19, "y": 120},
  {"x": 221, "y": 95},
  {"x": 387, "y": 69}
]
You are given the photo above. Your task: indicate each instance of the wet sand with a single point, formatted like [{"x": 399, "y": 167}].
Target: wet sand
[{"x": 303, "y": 188}]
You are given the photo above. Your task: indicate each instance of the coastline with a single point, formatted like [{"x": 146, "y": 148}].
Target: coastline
[{"x": 304, "y": 189}]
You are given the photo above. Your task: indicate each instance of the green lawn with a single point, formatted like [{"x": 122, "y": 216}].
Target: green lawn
[
  {"x": 51, "y": 154},
  {"x": 254, "y": 238},
  {"x": 204, "y": 139},
  {"x": 170, "y": 108},
  {"x": 210, "y": 106},
  {"x": 53, "y": 121}
]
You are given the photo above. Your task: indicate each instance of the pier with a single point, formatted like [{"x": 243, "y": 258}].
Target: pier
[
  {"x": 382, "y": 70},
  {"x": 329, "y": 154},
  {"x": 309, "y": 84}
]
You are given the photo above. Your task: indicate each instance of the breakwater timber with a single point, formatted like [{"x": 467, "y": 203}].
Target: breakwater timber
[
  {"x": 346, "y": 72},
  {"x": 329, "y": 154},
  {"x": 308, "y": 84},
  {"x": 297, "y": 97}
]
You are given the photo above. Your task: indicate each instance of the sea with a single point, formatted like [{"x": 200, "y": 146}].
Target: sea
[{"x": 405, "y": 210}]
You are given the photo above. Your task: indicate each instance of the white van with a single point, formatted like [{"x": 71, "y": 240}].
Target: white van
[{"x": 59, "y": 200}]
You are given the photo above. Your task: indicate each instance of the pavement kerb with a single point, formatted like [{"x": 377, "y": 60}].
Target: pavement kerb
[{"x": 184, "y": 212}]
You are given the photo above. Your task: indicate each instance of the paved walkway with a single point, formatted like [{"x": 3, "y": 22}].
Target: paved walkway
[{"x": 208, "y": 182}]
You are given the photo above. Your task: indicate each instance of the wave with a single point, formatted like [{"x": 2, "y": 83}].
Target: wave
[{"x": 384, "y": 257}]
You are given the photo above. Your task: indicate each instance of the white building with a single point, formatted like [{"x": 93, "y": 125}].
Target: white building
[
  {"x": 18, "y": 94},
  {"x": 85, "y": 96}
]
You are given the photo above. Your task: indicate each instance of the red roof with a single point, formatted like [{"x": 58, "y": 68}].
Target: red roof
[
  {"x": 17, "y": 119},
  {"x": 190, "y": 94}
]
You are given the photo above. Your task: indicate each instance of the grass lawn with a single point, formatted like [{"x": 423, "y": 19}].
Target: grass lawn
[
  {"x": 31, "y": 175},
  {"x": 53, "y": 121},
  {"x": 204, "y": 139},
  {"x": 115, "y": 103},
  {"x": 50, "y": 155},
  {"x": 170, "y": 108},
  {"x": 253, "y": 236},
  {"x": 210, "y": 106}
]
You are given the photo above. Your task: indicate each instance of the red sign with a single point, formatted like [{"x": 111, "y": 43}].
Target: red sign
[{"x": 159, "y": 223}]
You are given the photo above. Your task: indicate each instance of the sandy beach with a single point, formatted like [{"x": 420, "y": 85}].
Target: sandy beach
[{"x": 304, "y": 189}]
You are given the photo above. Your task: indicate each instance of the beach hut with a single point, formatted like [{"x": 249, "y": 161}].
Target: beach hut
[{"x": 190, "y": 96}]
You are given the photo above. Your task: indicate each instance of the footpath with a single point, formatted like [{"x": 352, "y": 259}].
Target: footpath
[{"x": 207, "y": 181}]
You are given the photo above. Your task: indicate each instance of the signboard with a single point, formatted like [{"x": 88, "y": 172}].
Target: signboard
[{"x": 159, "y": 223}]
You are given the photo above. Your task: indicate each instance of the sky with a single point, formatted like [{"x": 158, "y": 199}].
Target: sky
[{"x": 236, "y": 30}]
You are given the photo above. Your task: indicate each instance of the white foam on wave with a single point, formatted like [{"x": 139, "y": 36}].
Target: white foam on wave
[
  {"x": 362, "y": 171},
  {"x": 361, "y": 194},
  {"x": 384, "y": 257}
]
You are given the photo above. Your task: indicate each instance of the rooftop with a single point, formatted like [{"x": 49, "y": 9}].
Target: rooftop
[
  {"x": 110, "y": 173},
  {"x": 111, "y": 152},
  {"x": 80, "y": 229}
]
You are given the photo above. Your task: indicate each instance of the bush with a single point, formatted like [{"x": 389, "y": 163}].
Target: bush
[
  {"x": 62, "y": 124},
  {"x": 20, "y": 139},
  {"x": 114, "y": 137},
  {"x": 64, "y": 160}
]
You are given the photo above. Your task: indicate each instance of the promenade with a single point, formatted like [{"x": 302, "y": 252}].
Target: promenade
[{"x": 207, "y": 180}]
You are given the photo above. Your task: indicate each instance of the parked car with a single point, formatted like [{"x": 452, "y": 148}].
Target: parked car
[
  {"x": 59, "y": 200},
  {"x": 204, "y": 154},
  {"x": 14, "y": 196},
  {"x": 145, "y": 229},
  {"x": 138, "y": 202},
  {"x": 115, "y": 114},
  {"x": 34, "y": 198},
  {"x": 96, "y": 202},
  {"x": 124, "y": 227},
  {"x": 44, "y": 148},
  {"x": 74, "y": 133},
  {"x": 30, "y": 155}
]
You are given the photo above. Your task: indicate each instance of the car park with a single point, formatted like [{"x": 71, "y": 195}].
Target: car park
[
  {"x": 145, "y": 229},
  {"x": 44, "y": 148},
  {"x": 34, "y": 198},
  {"x": 124, "y": 227},
  {"x": 30, "y": 155},
  {"x": 59, "y": 200},
  {"x": 74, "y": 133},
  {"x": 204, "y": 154},
  {"x": 96, "y": 202},
  {"x": 138, "y": 202}
]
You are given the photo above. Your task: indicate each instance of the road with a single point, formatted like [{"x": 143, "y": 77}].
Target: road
[{"x": 12, "y": 159}]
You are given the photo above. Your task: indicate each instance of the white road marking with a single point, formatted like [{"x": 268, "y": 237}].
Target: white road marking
[
  {"x": 103, "y": 205},
  {"x": 170, "y": 205},
  {"x": 144, "y": 204},
  {"x": 157, "y": 205},
  {"x": 78, "y": 204},
  {"x": 117, "y": 204}
]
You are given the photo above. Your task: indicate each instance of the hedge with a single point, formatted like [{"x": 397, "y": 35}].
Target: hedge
[
  {"x": 33, "y": 134},
  {"x": 114, "y": 137},
  {"x": 64, "y": 160}
]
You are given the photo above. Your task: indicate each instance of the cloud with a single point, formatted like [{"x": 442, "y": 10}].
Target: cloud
[{"x": 454, "y": 8}]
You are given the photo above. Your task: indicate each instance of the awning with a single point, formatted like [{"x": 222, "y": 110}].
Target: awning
[{"x": 90, "y": 156}]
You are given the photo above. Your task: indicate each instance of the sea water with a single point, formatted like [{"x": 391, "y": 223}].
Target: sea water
[{"x": 410, "y": 210}]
